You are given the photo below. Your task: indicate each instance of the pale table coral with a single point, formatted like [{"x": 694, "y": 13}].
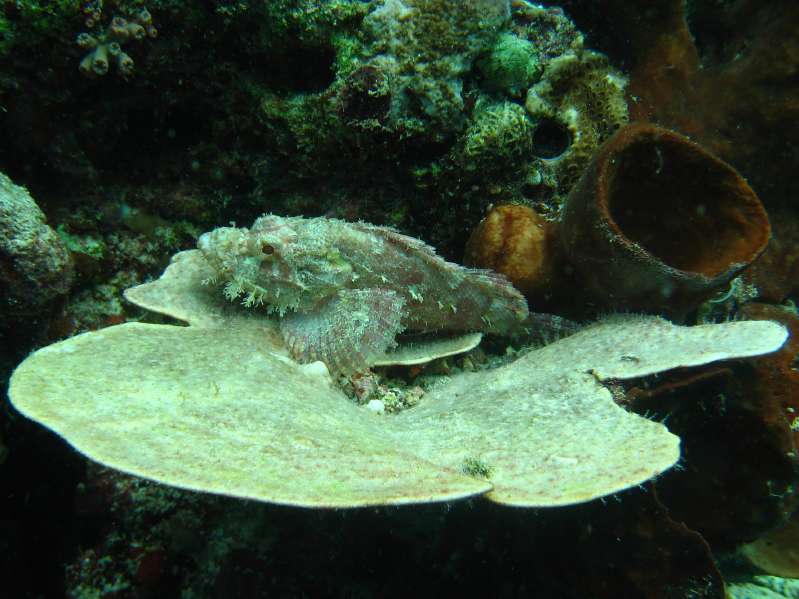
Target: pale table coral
[{"x": 219, "y": 406}]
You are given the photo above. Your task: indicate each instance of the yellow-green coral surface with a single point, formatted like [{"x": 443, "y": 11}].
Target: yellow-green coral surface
[{"x": 219, "y": 406}]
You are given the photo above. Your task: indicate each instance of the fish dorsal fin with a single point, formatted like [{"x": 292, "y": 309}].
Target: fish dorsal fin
[{"x": 410, "y": 245}]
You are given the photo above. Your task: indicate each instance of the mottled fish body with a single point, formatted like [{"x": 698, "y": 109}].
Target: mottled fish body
[{"x": 345, "y": 290}]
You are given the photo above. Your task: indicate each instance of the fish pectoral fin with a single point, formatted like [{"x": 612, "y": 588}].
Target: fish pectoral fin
[{"x": 348, "y": 332}]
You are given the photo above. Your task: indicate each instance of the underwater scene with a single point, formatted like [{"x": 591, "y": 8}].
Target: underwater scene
[{"x": 399, "y": 298}]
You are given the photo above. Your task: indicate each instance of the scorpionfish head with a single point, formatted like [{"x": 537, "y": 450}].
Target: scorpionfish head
[{"x": 272, "y": 263}]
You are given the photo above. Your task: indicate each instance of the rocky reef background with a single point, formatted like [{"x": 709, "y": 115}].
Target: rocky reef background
[{"x": 136, "y": 125}]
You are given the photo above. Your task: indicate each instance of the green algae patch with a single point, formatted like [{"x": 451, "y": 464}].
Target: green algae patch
[{"x": 219, "y": 406}]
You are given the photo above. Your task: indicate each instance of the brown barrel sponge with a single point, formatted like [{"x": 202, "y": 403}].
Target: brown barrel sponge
[{"x": 658, "y": 224}]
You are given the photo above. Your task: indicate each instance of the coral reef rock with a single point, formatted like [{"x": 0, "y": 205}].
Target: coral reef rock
[
  {"x": 35, "y": 267},
  {"x": 428, "y": 46},
  {"x": 578, "y": 104},
  {"x": 218, "y": 406}
]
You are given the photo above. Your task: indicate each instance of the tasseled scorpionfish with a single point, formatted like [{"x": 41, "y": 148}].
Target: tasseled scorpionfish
[{"x": 344, "y": 291}]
